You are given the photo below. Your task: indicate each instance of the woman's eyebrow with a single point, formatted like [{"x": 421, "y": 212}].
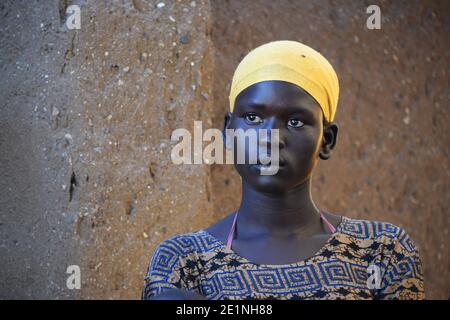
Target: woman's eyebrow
[
  {"x": 289, "y": 109},
  {"x": 298, "y": 109},
  {"x": 256, "y": 105}
]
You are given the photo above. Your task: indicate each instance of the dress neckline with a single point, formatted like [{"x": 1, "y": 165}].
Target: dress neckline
[{"x": 326, "y": 245}]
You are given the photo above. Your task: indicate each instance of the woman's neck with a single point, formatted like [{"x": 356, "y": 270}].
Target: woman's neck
[{"x": 278, "y": 215}]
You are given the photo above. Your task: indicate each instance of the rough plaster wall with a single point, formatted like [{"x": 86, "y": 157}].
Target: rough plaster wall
[
  {"x": 87, "y": 117},
  {"x": 391, "y": 158},
  {"x": 135, "y": 196},
  {"x": 37, "y": 110}
]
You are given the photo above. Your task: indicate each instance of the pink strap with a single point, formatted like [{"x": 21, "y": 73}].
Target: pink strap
[
  {"x": 231, "y": 234},
  {"x": 329, "y": 225}
]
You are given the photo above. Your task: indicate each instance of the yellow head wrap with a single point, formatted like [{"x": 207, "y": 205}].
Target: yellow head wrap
[{"x": 293, "y": 62}]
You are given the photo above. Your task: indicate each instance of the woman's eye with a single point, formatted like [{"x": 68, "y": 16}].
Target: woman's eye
[
  {"x": 295, "y": 123},
  {"x": 253, "y": 118}
]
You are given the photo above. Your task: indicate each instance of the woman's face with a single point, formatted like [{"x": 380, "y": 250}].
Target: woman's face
[{"x": 299, "y": 119}]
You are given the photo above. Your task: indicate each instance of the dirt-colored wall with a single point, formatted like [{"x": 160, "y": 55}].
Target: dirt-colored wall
[{"x": 87, "y": 115}]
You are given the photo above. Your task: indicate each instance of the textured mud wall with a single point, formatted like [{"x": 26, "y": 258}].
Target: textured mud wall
[
  {"x": 391, "y": 158},
  {"x": 37, "y": 111},
  {"x": 87, "y": 115},
  {"x": 147, "y": 73}
]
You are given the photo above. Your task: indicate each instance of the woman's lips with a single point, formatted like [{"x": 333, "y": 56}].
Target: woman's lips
[
  {"x": 281, "y": 163},
  {"x": 269, "y": 169}
]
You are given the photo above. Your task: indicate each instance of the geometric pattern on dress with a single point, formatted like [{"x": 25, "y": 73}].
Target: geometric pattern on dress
[
  {"x": 206, "y": 242},
  {"x": 267, "y": 280},
  {"x": 164, "y": 260},
  {"x": 209, "y": 288},
  {"x": 301, "y": 278},
  {"x": 407, "y": 242},
  {"x": 401, "y": 270},
  {"x": 183, "y": 243},
  {"x": 341, "y": 273},
  {"x": 360, "y": 274},
  {"x": 229, "y": 283},
  {"x": 384, "y": 228},
  {"x": 356, "y": 228},
  {"x": 417, "y": 266}
]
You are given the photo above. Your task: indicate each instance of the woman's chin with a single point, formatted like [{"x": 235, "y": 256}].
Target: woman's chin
[{"x": 268, "y": 183}]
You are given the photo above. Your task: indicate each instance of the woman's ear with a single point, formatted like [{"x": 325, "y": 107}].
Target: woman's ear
[
  {"x": 226, "y": 125},
  {"x": 330, "y": 132}
]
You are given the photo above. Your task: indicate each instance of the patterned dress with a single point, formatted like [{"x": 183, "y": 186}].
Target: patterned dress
[{"x": 361, "y": 260}]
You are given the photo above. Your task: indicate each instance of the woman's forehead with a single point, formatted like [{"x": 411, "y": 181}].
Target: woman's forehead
[{"x": 277, "y": 94}]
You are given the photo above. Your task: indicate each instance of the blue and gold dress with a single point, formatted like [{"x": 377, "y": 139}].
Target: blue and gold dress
[{"x": 361, "y": 260}]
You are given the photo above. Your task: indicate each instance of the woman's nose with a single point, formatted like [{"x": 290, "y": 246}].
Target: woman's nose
[{"x": 273, "y": 131}]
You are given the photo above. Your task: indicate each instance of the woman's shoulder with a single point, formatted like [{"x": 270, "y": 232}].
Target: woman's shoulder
[
  {"x": 376, "y": 230},
  {"x": 390, "y": 248},
  {"x": 182, "y": 244},
  {"x": 365, "y": 228}
]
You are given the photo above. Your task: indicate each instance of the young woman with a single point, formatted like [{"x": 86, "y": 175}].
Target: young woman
[{"x": 278, "y": 244}]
